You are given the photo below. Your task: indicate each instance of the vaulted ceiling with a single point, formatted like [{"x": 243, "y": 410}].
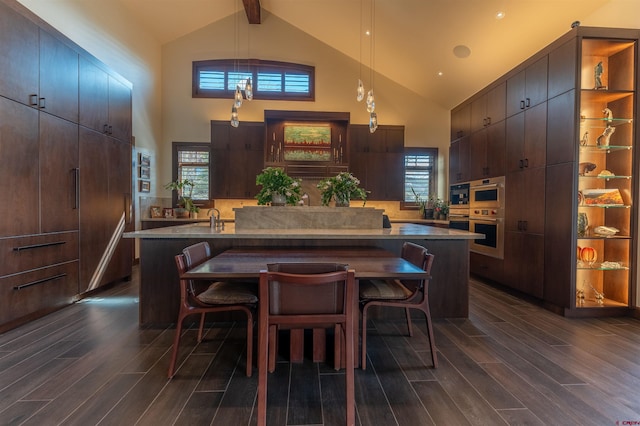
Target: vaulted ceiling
[{"x": 414, "y": 39}]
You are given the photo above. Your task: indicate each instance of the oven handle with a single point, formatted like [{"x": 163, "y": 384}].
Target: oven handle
[
  {"x": 487, "y": 185},
  {"x": 486, "y": 219},
  {"x": 458, "y": 216}
]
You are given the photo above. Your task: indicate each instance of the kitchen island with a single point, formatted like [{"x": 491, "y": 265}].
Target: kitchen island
[{"x": 159, "y": 291}]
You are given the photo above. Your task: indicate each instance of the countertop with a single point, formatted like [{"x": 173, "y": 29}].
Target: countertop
[{"x": 397, "y": 231}]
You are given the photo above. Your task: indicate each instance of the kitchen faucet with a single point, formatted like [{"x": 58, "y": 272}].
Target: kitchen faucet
[{"x": 214, "y": 221}]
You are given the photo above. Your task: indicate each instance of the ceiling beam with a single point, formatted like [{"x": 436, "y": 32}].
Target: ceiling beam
[{"x": 252, "y": 8}]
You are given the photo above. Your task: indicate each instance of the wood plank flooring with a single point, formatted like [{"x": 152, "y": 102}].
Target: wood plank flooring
[{"x": 510, "y": 363}]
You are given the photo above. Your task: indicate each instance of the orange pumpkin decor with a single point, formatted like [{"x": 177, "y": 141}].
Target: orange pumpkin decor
[
  {"x": 578, "y": 253},
  {"x": 588, "y": 254}
]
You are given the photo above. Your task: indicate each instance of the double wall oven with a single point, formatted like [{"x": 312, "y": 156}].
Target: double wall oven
[{"x": 486, "y": 215}]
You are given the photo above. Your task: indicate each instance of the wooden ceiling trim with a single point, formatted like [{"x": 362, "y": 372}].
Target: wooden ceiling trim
[{"x": 252, "y": 9}]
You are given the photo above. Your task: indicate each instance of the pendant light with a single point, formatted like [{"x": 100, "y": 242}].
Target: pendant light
[
  {"x": 238, "y": 97},
  {"x": 248, "y": 89},
  {"x": 371, "y": 102},
  {"x": 360, "y": 89},
  {"x": 234, "y": 117}
]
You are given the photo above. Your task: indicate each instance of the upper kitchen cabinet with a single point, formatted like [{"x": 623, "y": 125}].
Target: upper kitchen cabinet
[
  {"x": 58, "y": 78},
  {"x": 459, "y": 170},
  {"x": 19, "y": 57},
  {"x": 489, "y": 108},
  {"x": 461, "y": 121},
  {"x": 37, "y": 68},
  {"x": 487, "y": 152},
  {"x": 528, "y": 87},
  {"x": 241, "y": 149},
  {"x": 105, "y": 102}
]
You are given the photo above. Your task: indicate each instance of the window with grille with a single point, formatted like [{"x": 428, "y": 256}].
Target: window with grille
[
  {"x": 192, "y": 161},
  {"x": 270, "y": 80},
  {"x": 420, "y": 171}
]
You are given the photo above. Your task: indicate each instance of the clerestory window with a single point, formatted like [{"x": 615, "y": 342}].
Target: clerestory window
[{"x": 270, "y": 80}]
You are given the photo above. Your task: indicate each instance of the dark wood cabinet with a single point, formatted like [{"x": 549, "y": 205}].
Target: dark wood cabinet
[
  {"x": 526, "y": 134},
  {"x": 105, "y": 102},
  {"x": 19, "y": 169},
  {"x": 560, "y": 137},
  {"x": 487, "y": 152},
  {"x": 461, "y": 121},
  {"x": 58, "y": 78},
  {"x": 489, "y": 108},
  {"x": 525, "y": 201},
  {"x": 528, "y": 87},
  {"x": 68, "y": 189},
  {"x": 524, "y": 262},
  {"x": 237, "y": 157},
  {"x": 19, "y": 57},
  {"x": 459, "y": 170},
  {"x": 59, "y": 172},
  {"x": 377, "y": 159}
]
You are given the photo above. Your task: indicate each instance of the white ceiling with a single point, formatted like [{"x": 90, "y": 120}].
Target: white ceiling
[{"x": 414, "y": 38}]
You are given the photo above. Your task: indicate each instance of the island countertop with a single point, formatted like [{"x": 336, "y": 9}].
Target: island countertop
[{"x": 398, "y": 231}]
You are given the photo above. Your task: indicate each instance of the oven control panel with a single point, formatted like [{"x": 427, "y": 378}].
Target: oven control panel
[{"x": 486, "y": 212}]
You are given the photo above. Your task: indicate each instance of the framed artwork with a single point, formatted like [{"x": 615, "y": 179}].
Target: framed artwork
[
  {"x": 156, "y": 211},
  {"x": 145, "y": 186},
  {"x": 144, "y": 159},
  {"x": 307, "y": 142},
  {"x": 167, "y": 212},
  {"x": 145, "y": 172}
]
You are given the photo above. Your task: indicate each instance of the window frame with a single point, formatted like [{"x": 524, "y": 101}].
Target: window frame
[
  {"x": 254, "y": 66},
  {"x": 433, "y": 187},
  {"x": 190, "y": 146}
]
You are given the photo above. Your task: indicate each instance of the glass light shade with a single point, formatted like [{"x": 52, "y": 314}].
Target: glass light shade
[
  {"x": 373, "y": 122},
  {"x": 248, "y": 89},
  {"x": 360, "y": 93},
  {"x": 234, "y": 116},
  {"x": 238, "y": 97},
  {"x": 371, "y": 101}
]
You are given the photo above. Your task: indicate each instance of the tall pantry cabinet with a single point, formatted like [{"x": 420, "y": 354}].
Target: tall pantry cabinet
[{"x": 47, "y": 248}]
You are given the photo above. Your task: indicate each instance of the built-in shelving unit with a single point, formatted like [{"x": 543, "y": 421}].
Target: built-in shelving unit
[{"x": 605, "y": 205}]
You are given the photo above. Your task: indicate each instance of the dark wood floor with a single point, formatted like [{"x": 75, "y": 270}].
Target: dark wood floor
[{"x": 509, "y": 363}]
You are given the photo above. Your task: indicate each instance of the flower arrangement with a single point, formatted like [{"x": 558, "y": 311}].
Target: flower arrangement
[
  {"x": 342, "y": 187},
  {"x": 274, "y": 180},
  {"x": 441, "y": 208}
]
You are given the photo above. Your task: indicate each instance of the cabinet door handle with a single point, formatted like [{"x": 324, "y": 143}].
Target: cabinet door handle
[
  {"x": 528, "y": 103},
  {"x": 522, "y": 104},
  {"x": 33, "y": 99},
  {"x": 526, "y": 162},
  {"x": 42, "y": 281},
  {"x": 42, "y": 103},
  {"x": 525, "y": 225},
  {"x": 520, "y": 163},
  {"x": 488, "y": 121},
  {"x": 35, "y": 246},
  {"x": 76, "y": 184},
  {"x": 110, "y": 129},
  {"x": 105, "y": 129}
]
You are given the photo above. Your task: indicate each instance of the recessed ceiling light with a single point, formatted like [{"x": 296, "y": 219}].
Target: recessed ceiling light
[
  {"x": 440, "y": 73},
  {"x": 461, "y": 51},
  {"x": 500, "y": 14},
  {"x": 367, "y": 32}
]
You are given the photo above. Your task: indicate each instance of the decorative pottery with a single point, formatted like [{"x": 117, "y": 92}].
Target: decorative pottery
[
  {"x": 588, "y": 255},
  {"x": 278, "y": 200},
  {"x": 583, "y": 224}
]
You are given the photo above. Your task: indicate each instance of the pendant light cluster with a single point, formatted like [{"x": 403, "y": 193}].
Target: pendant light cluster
[
  {"x": 370, "y": 99},
  {"x": 243, "y": 84}
]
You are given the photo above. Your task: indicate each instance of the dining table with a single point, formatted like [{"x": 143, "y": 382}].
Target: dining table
[{"x": 367, "y": 262}]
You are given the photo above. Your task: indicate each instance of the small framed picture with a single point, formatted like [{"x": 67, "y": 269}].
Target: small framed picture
[
  {"x": 145, "y": 186},
  {"x": 145, "y": 160},
  {"x": 145, "y": 172},
  {"x": 156, "y": 211},
  {"x": 167, "y": 213}
]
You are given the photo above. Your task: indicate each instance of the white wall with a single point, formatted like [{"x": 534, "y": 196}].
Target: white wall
[{"x": 187, "y": 119}]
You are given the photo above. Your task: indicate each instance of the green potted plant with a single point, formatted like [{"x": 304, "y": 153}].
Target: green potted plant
[
  {"x": 278, "y": 188},
  {"x": 184, "y": 189},
  {"x": 342, "y": 188},
  {"x": 425, "y": 207},
  {"x": 441, "y": 209}
]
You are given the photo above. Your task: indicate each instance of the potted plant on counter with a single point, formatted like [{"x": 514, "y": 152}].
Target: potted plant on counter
[
  {"x": 184, "y": 190},
  {"x": 278, "y": 188},
  {"x": 425, "y": 207},
  {"x": 342, "y": 188},
  {"x": 441, "y": 209}
]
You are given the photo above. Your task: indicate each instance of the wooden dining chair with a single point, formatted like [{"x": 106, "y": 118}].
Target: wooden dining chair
[
  {"x": 198, "y": 297},
  {"x": 302, "y": 296},
  {"x": 407, "y": 294}
]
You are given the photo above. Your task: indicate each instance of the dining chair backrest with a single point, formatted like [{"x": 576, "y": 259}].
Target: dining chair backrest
[
  {"x": 289, "y": 297},
  {"x": 194, "y": 255},
  {"x": 418, "y": 256}
]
